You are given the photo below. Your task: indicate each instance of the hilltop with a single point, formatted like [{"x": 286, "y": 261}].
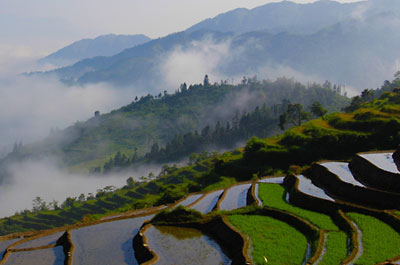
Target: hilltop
[{"x": 104, "y": 45}]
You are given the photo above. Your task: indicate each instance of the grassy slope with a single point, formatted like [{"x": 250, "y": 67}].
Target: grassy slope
[
  {"x": 271, "y": 238},
  {"x": 380, "y": 241}
]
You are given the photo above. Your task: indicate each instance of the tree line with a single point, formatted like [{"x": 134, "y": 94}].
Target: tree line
[{"x": 261, "y": 122}]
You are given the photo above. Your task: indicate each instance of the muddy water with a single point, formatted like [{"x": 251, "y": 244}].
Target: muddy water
[
  {"x": 208, "y": 202},
  {"x": 342, "y": 170},
  {"x": 43, "y": 241},
  {"x": 106, "y": 243},
  {"x": 175, "y": 245},
  {"x": 190, "y": 199},
  {"x": 383, "y": 161},
  {"x": 307, "y": 187},
  {"x": 49, "y": 256},
  {"x": 235, "y": 197},
  {"x": 5, "y": 244}
]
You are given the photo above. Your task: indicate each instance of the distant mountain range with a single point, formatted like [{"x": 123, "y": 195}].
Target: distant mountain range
[
  {"x": 280, "y": 17},
  {"x": 352, "y": 44},
  {"x": 105, "y": 45},
  {"x": 295, "y": 18}
]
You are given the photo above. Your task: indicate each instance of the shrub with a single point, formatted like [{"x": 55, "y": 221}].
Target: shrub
[{"x": 178, "y": 215}]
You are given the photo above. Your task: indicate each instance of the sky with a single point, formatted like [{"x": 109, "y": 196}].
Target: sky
[
  {"x": 31, "y": 107},
  {"x": 37, "y": 28},
  {"x": 33, "y": 29}
]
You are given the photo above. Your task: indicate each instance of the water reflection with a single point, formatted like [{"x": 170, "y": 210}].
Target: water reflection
[{"x": 176, "y": 245}]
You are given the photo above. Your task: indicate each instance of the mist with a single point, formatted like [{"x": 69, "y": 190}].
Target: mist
[
  {"x": 30, "y": 179},
  {"x": 190, "y": 64},
  {"x": 212, "y": 57},
  {"x": 31, "y": 106}
]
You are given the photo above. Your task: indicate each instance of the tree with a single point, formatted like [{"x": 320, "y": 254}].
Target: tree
[
  {"x": 183, "y": 87},
  {"x": 206, "y": 81},
  {"x": 54, "y": 205},
  {"x": 69, "y": 202},
  {"x": 81, "y": 197},
  {"x": 294, "y": 114},
  {"x": 318, "y": 110},
  {"x": 155, "y": 149},
  {"x": 367, "y": 95},
  {"x": 397, "y": 76},
  {"x": 282, "y": 121},
  {"x": 39, "y": 205},
  {"x": 130, "y": 182}
]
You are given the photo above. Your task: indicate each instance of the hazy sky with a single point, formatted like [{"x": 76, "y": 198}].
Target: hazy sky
[{"x": 41, "y": 26}]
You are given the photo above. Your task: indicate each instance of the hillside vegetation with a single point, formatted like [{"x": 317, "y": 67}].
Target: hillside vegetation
[
  {"x": 150, "y": 120},
  {"x": 374, "y": 125}
]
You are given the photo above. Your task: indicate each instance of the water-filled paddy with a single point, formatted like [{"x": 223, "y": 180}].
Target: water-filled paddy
[
  {"x": 175, "y": 245},
  {"x": 42, "y": 241},
  {"x": 307, "y": 187},
  {"x": 206, "y": 204},
  {"x": 106, "y": 243},
  {"x": 235, "y": 198},
  {"x": 190, "y": 199},
  {"x": 382, "y": 160},
  {"x": 48, "y": 256},
  {"x": 342, "y": 170},
  {"x": 5, "y": 244},
  {"x": 274, "y": 180}
]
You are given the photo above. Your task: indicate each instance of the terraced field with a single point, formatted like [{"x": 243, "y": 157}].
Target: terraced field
[
  {"x": 175, "y": 245},
  {"x": 272, "y": 238},
  {"x": 250, "y": 222},
  {"x": 380, "y": 241}
]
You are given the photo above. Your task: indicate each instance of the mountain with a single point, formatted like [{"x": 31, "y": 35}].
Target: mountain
[
  {"x": 293, "y": 18},
  {"x": 358, "y": 51},
  {"x": 105, "y": 45},
  {"x": 138, "y": 66},
  {"x": 283, "y": 16}
]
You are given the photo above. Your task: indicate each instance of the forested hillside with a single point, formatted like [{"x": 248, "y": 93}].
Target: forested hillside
[{"x": 158, "y": 119}]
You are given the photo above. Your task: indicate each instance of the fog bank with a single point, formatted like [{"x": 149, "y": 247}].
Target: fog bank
[{"x": 43, "y": 178}]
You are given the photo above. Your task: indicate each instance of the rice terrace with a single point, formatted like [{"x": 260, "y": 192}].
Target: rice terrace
[
  {"x": 326, "y": 212},
  {"x": 187, "y": 132}
]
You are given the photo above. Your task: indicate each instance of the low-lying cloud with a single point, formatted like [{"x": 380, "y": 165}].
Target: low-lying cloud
[
  {"x": 190, "y": 64},
  {"x": 30, "y": 106},
  {"x": 43, "y": 178}
]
